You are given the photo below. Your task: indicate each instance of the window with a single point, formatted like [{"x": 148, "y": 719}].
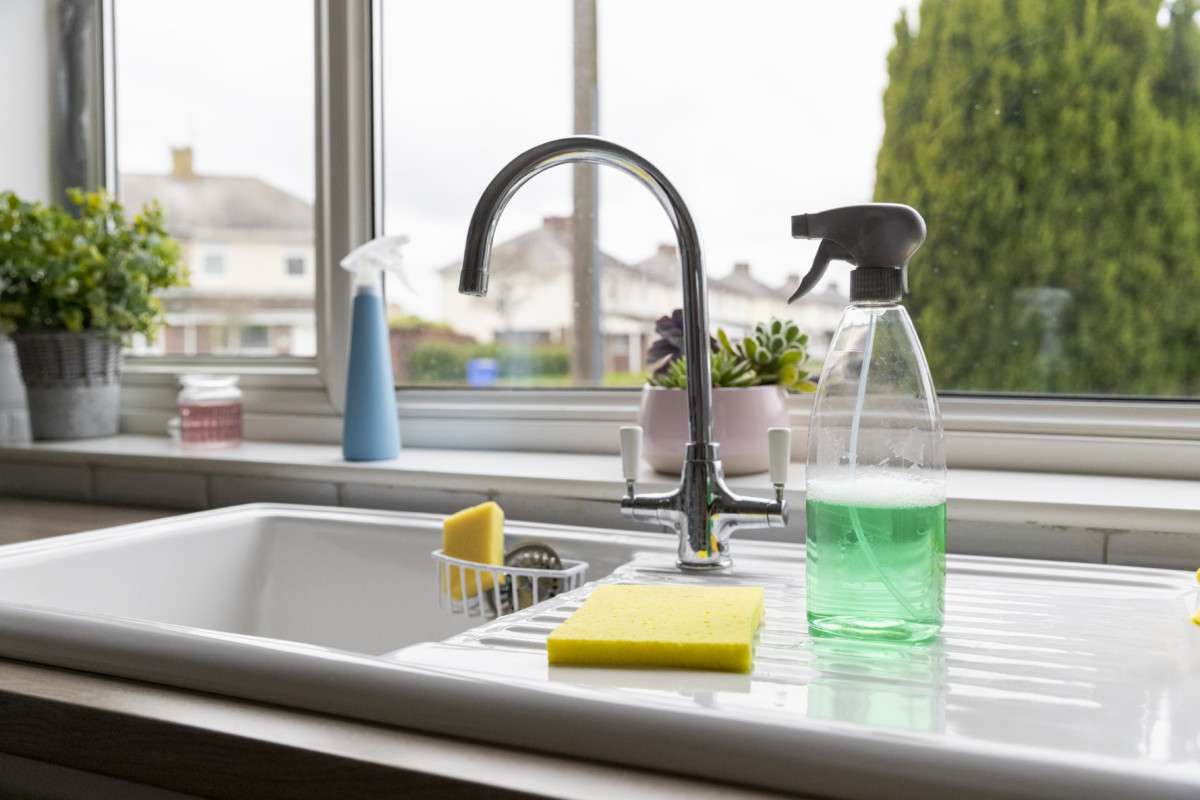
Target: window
[
  {"x": 435, "y": 163},
  {"x": 717, "y": 101},
  {"x": 225, "y": 144},
  {"x": 213, "y": 263},
  {"x": 293, "y": 266},
  {"x": 1036, "y": 277}
]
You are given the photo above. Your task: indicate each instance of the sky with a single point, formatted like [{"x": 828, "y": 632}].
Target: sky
[{"x": 755, "y": 110}]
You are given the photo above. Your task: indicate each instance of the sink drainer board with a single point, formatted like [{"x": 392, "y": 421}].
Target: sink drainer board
[{"x": 1051, "y": 680}]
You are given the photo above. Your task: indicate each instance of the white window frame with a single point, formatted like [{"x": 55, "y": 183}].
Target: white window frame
[{"x": 301, "y": 399}]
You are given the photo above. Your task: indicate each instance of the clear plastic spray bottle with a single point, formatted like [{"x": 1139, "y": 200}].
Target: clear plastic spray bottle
[
  {"x": 370, "y": 427},
  {"x": 876, "y": 468}
]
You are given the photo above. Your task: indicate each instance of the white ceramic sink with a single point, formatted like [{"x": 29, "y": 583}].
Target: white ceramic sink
[
  {"x": 1050, "y": 680},
  {"x": 353, "y": 580}
]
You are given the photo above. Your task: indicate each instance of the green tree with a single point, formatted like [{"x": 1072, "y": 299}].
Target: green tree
[{"x": 1054, "y": 149}]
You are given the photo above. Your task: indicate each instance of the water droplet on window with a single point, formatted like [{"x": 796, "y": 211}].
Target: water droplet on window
[
  {"x": 996, "y": 111},
  {"x": 1036, "y": 91},
  {"x": 977, "y": 106}
]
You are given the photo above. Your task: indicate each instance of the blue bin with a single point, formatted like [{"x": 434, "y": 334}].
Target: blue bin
[{"x": 482, "y": 371}]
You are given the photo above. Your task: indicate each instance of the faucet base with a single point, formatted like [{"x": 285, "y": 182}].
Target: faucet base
[{"x": 720, "y": 565}]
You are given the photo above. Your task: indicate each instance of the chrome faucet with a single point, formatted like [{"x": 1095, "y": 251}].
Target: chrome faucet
[{"x": 702, "y": 509}]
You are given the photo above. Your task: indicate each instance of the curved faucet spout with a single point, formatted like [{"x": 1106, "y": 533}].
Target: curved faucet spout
[
  {"x": 702, "y": 510},
  {"x": 592, "y": 149}
]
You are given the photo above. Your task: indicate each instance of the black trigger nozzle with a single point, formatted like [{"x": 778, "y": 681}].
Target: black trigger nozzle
[{"x": 828, "y": 251}]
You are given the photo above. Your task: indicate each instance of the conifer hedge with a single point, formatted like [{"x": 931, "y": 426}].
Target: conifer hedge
[{"x": 1053, "y": 147}]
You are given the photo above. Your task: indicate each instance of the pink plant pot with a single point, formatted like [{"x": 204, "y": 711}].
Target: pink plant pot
[{"x": 741, "y": 418}]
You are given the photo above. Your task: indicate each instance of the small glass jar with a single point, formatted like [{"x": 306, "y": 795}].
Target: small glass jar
[{"x": 210, "y": 411}]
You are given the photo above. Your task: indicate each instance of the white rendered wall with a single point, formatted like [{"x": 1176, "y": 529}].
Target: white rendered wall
[{"x": 25, "y": 148}]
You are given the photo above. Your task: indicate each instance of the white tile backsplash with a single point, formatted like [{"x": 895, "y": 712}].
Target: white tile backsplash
[
  {"x": 50, "y": 481},
  {"x": 1026, "y": 541},
  {"x": 1150, "y": 549},
  {"x": 567, "y": 511},
  {"x": 405, "y": 498},
  {"x": 233, "y": 491},
  {"x": 159, "y": 489}
]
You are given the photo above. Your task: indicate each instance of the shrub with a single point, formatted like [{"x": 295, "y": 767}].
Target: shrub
[{"x": 97, "y": 272}]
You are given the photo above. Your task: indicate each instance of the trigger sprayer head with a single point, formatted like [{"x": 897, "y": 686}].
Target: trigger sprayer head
[
  {"x": 368, "y": 261},
  {"x": 877, "y": 239}
]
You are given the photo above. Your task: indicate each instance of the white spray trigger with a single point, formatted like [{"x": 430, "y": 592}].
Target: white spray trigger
[{"x": 382, "y": 253}]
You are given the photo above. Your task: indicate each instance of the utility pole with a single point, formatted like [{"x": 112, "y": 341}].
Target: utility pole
[{"x": 587, "y": 352}]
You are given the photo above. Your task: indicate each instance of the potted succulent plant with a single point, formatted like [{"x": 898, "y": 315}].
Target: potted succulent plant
[
  {"x": 73, "y": 290},
  {"x": 750, "y": 378}
]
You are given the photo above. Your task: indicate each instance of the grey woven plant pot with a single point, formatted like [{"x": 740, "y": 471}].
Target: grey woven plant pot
[{"x": 72, "y": 383}]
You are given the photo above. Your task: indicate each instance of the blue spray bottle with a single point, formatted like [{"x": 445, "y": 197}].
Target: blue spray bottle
[{"x": 370, "y": 428}]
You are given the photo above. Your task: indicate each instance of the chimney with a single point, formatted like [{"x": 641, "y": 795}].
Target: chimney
[
  {"x": 561, "y": 225},
  {"x": 667, "y": 250},
  {"x": 741, "y": 268},
  {"x": 181, "y": 168}
]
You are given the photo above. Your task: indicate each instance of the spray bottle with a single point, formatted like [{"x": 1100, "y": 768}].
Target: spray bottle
[
  {"x": 370, "y": 428},
  {"x": 876, "y": 468}
]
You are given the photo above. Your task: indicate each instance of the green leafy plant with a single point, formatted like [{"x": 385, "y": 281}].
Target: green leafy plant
[
  {"x": 97, "y": 271},
  {"x": 667, "y": 349},
  {"x": 727, "y": 371},
  {"x": 774, "y": 353}
]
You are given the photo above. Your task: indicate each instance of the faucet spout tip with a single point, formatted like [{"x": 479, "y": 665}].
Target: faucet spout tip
[{"x": 473, "y": 282}]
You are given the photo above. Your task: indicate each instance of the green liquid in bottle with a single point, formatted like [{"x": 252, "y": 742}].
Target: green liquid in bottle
[{"x": 876, "y": 559}]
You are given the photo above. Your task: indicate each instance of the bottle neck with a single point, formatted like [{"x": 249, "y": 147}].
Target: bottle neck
[
  {"x": 880, "y": 284},
  {"x": 875, "y": 304}
]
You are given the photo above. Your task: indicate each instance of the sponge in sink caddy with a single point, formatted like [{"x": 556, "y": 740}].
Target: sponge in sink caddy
[
  {"x": 473, "y": 534},
  {"x": 710, "y": 627}
]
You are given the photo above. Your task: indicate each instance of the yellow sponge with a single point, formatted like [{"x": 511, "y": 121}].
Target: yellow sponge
[
  {"x": 1196, "y": 616},
  {"x": 474, "y": 534},
  {"x": 708, "y": 627}
]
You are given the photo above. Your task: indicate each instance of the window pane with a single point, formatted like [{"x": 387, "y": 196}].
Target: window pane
[
  {"x": 1055, "y": 155},
  {"x": 215, "y": 122}
]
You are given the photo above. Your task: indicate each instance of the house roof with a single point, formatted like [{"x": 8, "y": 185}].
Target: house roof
[
  {"x": 831, "y": 296},
  {"x": 663, "y": 266},
  {"x": 203, "y": 203},
  {"x": 543, "y": 250},
  {"x": 547, "y": 249},
  {"x": 740, "y": 281}
]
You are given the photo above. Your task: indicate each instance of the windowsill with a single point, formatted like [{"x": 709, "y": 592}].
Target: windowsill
[{"x": 1138, "y": 521}]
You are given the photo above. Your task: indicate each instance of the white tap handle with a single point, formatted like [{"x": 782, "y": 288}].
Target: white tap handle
[
  {"x": 779, "y": 446},
  {"x": 631, "y": 450}
]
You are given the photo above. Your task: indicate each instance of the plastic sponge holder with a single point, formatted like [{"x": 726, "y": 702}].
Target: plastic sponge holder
[{"x": 511, "y": 587}]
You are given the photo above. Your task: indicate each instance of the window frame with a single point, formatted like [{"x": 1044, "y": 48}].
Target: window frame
[
  {"x": 345, "y": 155},
  {"x": 300, "y": 399}
]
